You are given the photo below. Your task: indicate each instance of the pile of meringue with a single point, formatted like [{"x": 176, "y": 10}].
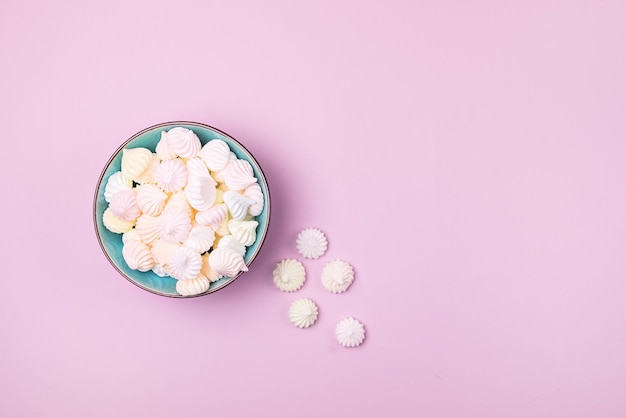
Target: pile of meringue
[
  {"x": 337, "y": 276},
  {"x": 185, "y": 211}
]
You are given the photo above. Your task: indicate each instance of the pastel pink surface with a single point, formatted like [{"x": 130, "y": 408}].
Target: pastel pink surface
[{"x": 466, "y": 159}]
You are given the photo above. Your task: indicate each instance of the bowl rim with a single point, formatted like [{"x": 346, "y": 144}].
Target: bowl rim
[{"x": 172, "y": 124}]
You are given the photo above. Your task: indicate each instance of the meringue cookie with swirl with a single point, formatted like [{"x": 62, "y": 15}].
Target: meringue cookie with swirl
[
  {"x": 201, "y": 192},
  {"x": 183, "y": 142},
  {"x": 151, "y": 199},
  {"x": 148, "y": 174},
  {"x": 243, "y": 231},
  {"x": 238, "y": 204},
  {"x": 162, "y": 251},
  {"x": 179, "y": 200},
  {"x": 162, "y": 150},
  {"x": 239, "y": 175},
  {"x": 215, "y": 154},
  {"x": 200, "y": 238},
  {"x": 207, "y": 271},
  {"x": 303, "y": 313},
  {"x": 147, "y": 228},
  {"x": 137, "y": 255},
  {"x": 197, "y": 168},
  {"x": 229, "y": 241},
  {"x": 124, "y": 205},
  {"x": 115, "y": 224},
  {"x": 213, "y": 216},
  {"x": 311, "y": 243},
  {"x": 174, "y": 225},
  {"x": 226, "y": 262},
  {"x": 220, "y": 175},
  {"x": 135, "y": 161},
  {"x": 194, "y": 286},
  {"x": 337, "y": 276},
  {"x": 185, "y": 263},
  {"x": 115, "y": 183},
  {"x": 254, "y": 193},
  {"x": 171, "y": 175},
  {"x": 350, "y": 332},
  {"x": 289, "y": 275}
]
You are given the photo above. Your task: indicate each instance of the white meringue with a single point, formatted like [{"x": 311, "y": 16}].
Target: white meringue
[
  {"x": 311, "y": 243},
  {"x": 206, "y": 271},
  {"x": 115, "y": 224},
  {"x": 337, "y": 276},
  {"x": 200, "y": 238},
  {"x": 212, "y": 216},
  {"x": 115, "y": 183},
  {"x": 194, "y": 286},
  {"x": 201, "y": 192},
  {"x": 243, "y": 231},
  {"x": 289, "y": 275},
  {"x": 174, "y": 225},
  {"x": 222, "y": 228},
  {"x": 185, "y": 263},
  {"x": 220, "y": 175},
  {"x": 303, "y": 313},
  {"x": 137, "y": 255},
  {"x": 254, "y": 193},
  {"x": 171, "y": 175},
  {"x": 124, "y": 205},
  {"x": 197, "y": 168},
  {"x": 238, "y": 204},
  {"x": 162, "y": 150},
  {"x": 147, "y": 228},
  {"x": 350, "y": 332},
  {"x": 229, "y": 242},
  {"x": 151, "y": 199},
  {"x": 226, "y": 262},
  {"x": 135, "y": 161},
  {"x": 215, "y": 154},
  {"x": 239, "y": 175},
  {"x": 184, "y": 142}
]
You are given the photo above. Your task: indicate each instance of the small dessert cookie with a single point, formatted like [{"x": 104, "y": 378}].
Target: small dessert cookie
[
  {"x": 350, "y": 332},
  {"x": 289, "y": 275},
  {"x": 337, "y": 276},
  {"x": 311, "y": 243},
  {"x": 303, "y": 313}
]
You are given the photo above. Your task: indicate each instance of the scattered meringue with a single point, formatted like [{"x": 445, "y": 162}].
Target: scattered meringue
[
  {"x": 303, "y": 313},
  {"x": 350, "y": 332},
  {"x": 311, "y": 243},
  {"x": 289, "y": 275},
  {"x": 337, "y": 276}
]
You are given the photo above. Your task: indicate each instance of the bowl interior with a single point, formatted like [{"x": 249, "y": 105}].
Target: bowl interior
[{"x": 111, "y": 243}]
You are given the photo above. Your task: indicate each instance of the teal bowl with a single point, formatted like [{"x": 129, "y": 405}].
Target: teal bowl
[{"x": 111, "y": 243}]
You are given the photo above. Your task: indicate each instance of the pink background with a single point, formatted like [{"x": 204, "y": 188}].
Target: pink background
[{"x": 468, "y": 158}]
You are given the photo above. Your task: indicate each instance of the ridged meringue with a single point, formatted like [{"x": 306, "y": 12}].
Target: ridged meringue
[
  {"x": 124, "y": 205},
  {"x": 148, "y": 174},
  {"x": 147, "y": 228},
  {"x": 135, "y": 161},
  {"x": 197, "y": 168},
  {"x": 137, "y": 255},
  {"x": 201, "y": 193},
  {"x": 207, "y": 271},
  {"x": 239, "y": 175},
  {"x": 229, "y": 242},
  {"x": 115, "y": 183},
  {"x": 132, "y": 234},
  {"x": 215, "y": 154},
  {"x": 178, "y": 200},
  {"x": 238, "y": 204},
  {"x": 289, "y": 275},
  {"x": 350, "y": 332},
  {"x": 226, "y": 262},
  {"x": 254, "y": 193},
  {"x": 311, "y": 243},
  {"x": 162, "y": 150},
  {"x": 303, "y": 313},
  {"x": 174, "y": 225},
  {"x": 162, "y": 251},
  {"x": 243, "y": 231},
  {"x": 151, "y": 199},
  {"x": 115, "y": 224},
  {"x": 222, "y": 228},
  {"x": 171, "y": 175},
  {"x": 200, "y": 238},
  {"x": 184, "y": 142},
  {"x": 212, "y": 216},
  {"x": 194, "y": 286},
  {"x": 185, "y": 263},
  {"x": 337, "y": 276}
]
